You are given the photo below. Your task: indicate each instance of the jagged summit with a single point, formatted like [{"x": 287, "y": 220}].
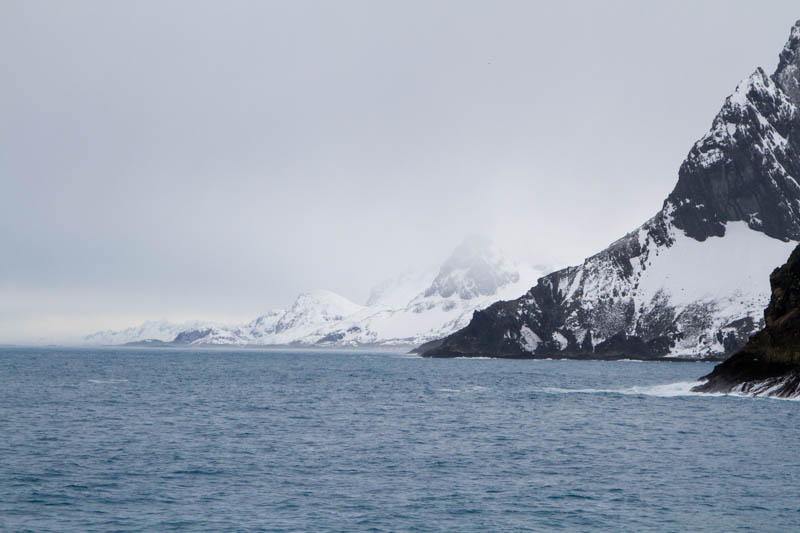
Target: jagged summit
[
  {"x": 742, "y": 168},
  {"x": 475, "y": 268},
  {"x": 691, "y": 281},
  {"x": 786, "y": 75}
]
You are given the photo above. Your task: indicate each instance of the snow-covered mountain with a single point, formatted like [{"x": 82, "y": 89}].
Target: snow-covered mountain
[
  {"x": 299, "y": 324},
  {"x": 412, "y": 308},
  {"x": 693, "y": 280},
  {"x": 161, "y": 330},
  {"x": 475, "y": 275},
  {"x": 310, "y": 313}
]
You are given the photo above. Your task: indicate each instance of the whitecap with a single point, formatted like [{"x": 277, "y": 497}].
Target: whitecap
[
  {"x": 681, "y": 388},
  {"x": 668, "y": 390}
]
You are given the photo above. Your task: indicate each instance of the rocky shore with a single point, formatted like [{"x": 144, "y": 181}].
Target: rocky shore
[{"x": 769, "y": 364}]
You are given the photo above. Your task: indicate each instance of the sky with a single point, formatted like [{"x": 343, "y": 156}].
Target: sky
[{"x": 211, "y": 160}]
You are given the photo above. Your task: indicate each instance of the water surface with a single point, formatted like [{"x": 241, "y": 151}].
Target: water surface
[{"x": 182, "y": 440}]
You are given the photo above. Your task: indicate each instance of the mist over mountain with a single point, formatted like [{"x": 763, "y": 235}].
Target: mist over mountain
[{"x": 413, "y": 307}]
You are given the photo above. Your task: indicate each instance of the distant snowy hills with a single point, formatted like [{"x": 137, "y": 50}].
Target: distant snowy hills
[
  {"x": 412, "y": 308},
  {"x": 162, "y": 330},
  {"x": 693, "y": 280}
]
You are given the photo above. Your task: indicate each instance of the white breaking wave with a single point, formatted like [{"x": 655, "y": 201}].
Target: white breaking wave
[
  {"x": 668, "y": 390},
  {"x": 473, "y": 388},
  {"x": 681, "y": 388}
]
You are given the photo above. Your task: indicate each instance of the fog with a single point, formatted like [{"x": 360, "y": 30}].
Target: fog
[{"x": 211, "y": 160}]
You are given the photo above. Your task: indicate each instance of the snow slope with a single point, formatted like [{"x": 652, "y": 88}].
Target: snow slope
[
  {"x": 396, "y": 292},
  {"x": 698, "y": 289}
]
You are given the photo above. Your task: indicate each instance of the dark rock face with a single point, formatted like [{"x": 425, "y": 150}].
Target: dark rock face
[
  {"x": 187, "y": 337},
  {"x": 483, "y": 335},
  {"x": 331, "y": 338},
  {"x": 786, "y": 76},
  {"x": 153, "y": 343},
  {"x": 743, "y": 171},
  {"x": 769, "y": 364}
]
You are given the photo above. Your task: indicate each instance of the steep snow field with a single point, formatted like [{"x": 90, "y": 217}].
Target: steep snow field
[
  {"x": 735, "y": 267},
  {"x": 726, "y": 276}
]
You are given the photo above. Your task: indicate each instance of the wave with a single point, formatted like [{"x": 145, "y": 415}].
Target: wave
[
  {"x": 668, "y": 390},
  {"x": 681, "y": 388},
  {"x": 472, "y": 388},
  {"x": 106, "y": 381}
]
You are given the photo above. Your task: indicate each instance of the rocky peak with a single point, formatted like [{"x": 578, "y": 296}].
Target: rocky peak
[
  {"x": 745, "y": 167},
  {"x": 475, "y": 268},
  {"x": 787, "y": 76}
]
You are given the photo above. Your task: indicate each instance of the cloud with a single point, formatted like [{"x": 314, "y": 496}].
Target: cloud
[{"x": 199, "y": 160}]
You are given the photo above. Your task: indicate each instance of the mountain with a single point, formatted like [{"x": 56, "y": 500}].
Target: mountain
[
  {"x": 161, "y": 330},
  {"x": 769, "y": 364},
  {"x": 476, "y": 274},
  {"x": 310, "y": 312},
  {"x": 691, "y": 281},
  {"x": 412, "y": 308}
]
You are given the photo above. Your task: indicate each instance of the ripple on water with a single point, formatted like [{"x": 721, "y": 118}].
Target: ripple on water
[{"x": 286, "y": 441}]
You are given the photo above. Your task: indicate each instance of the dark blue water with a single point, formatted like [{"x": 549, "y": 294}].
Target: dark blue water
[{"x": 162, "y": 440}]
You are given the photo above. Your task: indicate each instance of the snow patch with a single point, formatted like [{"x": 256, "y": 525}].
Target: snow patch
[
  {"x": 530, "y": 340},
  {"x": 561, "y": 340}
]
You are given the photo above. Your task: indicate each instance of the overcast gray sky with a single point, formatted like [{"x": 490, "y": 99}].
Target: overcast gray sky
[{"x": 211, "y": 160}]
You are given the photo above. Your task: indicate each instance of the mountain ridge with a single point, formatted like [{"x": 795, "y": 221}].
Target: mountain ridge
[{"x": 414, "y": 307}]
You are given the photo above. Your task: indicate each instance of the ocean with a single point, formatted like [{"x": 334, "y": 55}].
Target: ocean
[{"x": 291, "y": 440}]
